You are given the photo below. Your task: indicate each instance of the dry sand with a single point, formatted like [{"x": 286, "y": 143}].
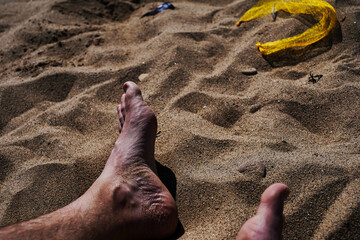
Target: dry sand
[{"x": 62, "y": 67}]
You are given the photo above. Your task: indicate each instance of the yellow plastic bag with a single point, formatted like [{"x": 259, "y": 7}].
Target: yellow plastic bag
[{"x": 321, "y": 10}]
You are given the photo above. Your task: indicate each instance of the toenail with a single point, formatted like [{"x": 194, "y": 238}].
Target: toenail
[{"x": 125, "y": 87}]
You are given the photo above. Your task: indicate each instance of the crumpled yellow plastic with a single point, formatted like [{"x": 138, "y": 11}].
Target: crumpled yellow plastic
[{"x": 322, "y": 11}]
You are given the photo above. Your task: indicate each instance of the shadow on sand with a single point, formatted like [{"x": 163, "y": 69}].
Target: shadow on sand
[{"x": 168, "y": 178}]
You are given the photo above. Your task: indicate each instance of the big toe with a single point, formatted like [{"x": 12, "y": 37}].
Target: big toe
[
  {"x": 132, "y": 91},
  {"x": 272, "y": 205},
  {"x": 267, "y": 224}
]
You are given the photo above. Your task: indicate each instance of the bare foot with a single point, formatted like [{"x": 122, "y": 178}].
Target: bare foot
[
  {"x": 267, "y": 223},
  {"x": 130, "y": 200},
  {"x": 127, "y": 201}
]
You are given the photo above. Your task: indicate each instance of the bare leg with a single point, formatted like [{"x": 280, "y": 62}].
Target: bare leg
[
  {"x": 267, "y": 223},
  {"x": 127, "y": 201}
]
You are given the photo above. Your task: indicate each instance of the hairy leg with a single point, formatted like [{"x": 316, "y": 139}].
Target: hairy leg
[
  {"x": 127, "y": 201},
  {"x": 267, "y": 223}
]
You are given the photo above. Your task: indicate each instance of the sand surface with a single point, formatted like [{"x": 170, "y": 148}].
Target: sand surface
[{"x": 62, "y": 65}]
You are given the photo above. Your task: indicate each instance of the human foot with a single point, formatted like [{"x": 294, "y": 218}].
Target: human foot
[
  {"x": 137, "y": 127},
  {"x": 142, "y": 207},
  {"x": 267, "y": 223},
  {"x": 127, "y": 201}
]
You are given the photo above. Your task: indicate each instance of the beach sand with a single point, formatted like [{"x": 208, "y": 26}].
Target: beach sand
[{"x": 220, "y": 104}]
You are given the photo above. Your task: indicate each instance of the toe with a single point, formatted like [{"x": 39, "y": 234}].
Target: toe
[
  {"x": 267, "y": 224},
  {"x": 122, "y": 107},
  {"x": 271, "y": 209},
  {"x": 132, "y": 90},
  {"x": 121, "y": 119},
  {"x": 118, "y": 108},
  {"x": 272, "y": 201}
]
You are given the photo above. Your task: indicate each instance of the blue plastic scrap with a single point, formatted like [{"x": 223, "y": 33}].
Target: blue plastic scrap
[{"x": 160, "y": 8}]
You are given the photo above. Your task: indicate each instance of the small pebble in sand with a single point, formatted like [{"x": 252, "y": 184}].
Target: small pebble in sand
[
  {"x": 249, "y": 71},
  {"x": 143, "y": 76},
  {"x": 253, "y": 166}
]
